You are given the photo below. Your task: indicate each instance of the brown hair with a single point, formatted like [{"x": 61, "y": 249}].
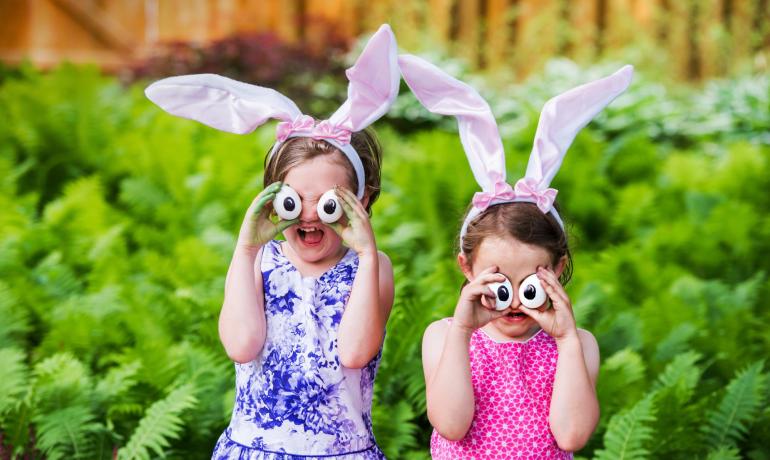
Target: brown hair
[
  {"x": 524, "y": 222},
  {"x": 298, "y": 149}
]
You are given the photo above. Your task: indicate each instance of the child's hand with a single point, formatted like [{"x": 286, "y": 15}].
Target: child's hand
[
  {"x": 476, "y": 306},
  {"x": 357, "y": 232},
  {"x": 559, "y": 321},
  {"x": 257, "y": 228}
]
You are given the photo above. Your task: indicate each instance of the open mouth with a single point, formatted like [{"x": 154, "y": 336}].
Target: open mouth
[
  {"x": 515, "y": 315},
  {"x": 310, "y": 235}
]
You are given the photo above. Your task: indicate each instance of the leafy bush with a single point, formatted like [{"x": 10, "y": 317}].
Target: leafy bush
[{"x": 118, "y": 223}]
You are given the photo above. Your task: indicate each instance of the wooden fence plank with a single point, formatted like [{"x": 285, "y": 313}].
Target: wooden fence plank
[
  {"x": 496, "y": 41},
  {"x": 536, "y": 39},
  {"x": 439, "y": 20},
  {"x": 583, "y": 30},
  {"x": 468, "y": 30}
]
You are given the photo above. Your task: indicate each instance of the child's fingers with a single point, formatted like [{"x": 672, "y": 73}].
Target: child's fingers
[
  {"x": 355, "y": 206},
  {"x": 534, "y": 313},
  {"x": 284, "y": 224},
  {"x": 266, "y": 195},
  {"x": 486, "y": 278},
  {"x": 337, "y": 227},
  {"x": 491, "y": 269},
  {"x": 552, "y": 286}
]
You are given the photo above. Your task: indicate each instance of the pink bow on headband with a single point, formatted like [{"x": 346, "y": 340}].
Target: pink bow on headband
[
  {"x": 501, "y": 191},
  {"x": 524, "y": 190},
  {"x": 306, "y": 124}
]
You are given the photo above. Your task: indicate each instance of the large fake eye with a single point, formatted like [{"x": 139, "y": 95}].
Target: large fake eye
[
  {"x": 531, "y": 292},
  {"x": 287, "y": 204},
  {"x": 503, "y": 294},
  {"x": 329, "y": 207}
]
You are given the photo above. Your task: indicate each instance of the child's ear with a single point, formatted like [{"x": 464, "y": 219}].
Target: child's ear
[
  {"x": 560, "y": 266},
  {"x": 465, "y": 266}
]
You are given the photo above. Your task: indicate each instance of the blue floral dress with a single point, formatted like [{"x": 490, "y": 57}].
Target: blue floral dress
[{"x": 296, "y": 400}]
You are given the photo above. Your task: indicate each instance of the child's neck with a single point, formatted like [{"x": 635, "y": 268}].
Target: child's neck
[
  {"x": 312, "y": 269},
  {"x": 498, "y": 336}
]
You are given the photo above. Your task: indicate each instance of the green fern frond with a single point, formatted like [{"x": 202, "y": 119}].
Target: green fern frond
[
  {"x": 61, "y": 381},
  {"x": 681, "y": 376},
  {"x": 13, "y": 379},
  {"x": 66, "y": 433},
  {"x": 724, "y": 453},
  {"x": 15, "y": 320},
  {"x": 620, "y": 384},
  {"x": 160, "y": 423},
  {"x": 117, "y": 381},
  {"x": 629, "y": 432},
  {"x": 744, "y": 396},
  {"x": 395, "y": 429}
]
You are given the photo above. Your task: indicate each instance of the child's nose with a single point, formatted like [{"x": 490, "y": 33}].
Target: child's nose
[{"x": 309, "y": 212}]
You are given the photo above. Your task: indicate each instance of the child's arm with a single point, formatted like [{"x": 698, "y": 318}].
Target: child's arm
[
  {"x": 362, "y": 327},
  {"x": 574, "y": 406},
  {"x": 242, "y": 326},
  {"x": 574, "y": 410},
  {"x": 446, "y": 360}
]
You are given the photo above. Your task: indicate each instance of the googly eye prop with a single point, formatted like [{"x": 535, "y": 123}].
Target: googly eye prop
[
  {"x": 531, "y": 293},
  {"x": 237, "y": 107},
  {"x": 288, "y": 205},
  {"x": 561, "y": 119}
]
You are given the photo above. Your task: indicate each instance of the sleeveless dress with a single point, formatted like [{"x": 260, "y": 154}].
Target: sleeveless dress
[
  {"x": 512, "y": 387},
  {"x": 295, "y": 400}
]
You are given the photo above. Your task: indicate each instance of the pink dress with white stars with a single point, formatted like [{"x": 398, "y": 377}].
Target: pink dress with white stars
[{"x": 512, "y": 386}]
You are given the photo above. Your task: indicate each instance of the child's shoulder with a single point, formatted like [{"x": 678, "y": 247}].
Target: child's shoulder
[
  {"x": 437, "y": 330},
  {"x": 587, "y": 340}
]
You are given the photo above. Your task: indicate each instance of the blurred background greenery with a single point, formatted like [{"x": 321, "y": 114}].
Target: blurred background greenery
[{"x": 118, "y": 220}]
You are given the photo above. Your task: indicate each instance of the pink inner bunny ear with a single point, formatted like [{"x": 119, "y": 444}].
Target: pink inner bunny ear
[
  {"x": 220, "y": 102},
  {"x": 445, "y": 95},
  {"x": 564, "y": 116},
  {"x": 374, "y": 80}
]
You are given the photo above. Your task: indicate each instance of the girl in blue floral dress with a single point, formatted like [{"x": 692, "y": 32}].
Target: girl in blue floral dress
[{"x": 304, "y": 318}]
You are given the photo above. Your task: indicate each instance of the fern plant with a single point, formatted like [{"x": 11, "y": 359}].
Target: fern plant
[
  {"x": 161, "y": 423},
  {"x": 744, "y": 396},
  {"x": 629, "y": 433}
]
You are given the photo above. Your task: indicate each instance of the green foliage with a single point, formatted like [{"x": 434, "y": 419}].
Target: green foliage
[
  {"x": 118, "y": 222},
  {"x": 161, "y": 422},
  {"x": 745, "y": 394},
  {"x": 628, "y": 432}
]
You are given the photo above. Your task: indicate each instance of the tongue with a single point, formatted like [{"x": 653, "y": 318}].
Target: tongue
[{"x": 313, "y": 237}]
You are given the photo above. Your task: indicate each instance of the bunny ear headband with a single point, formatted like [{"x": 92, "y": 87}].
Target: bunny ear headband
[
  {"x": 239, "y": 108},
  {"x": 560, "y": 121}
]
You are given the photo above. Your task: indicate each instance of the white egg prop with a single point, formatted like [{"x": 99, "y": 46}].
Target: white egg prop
[
  {"x": 503, "y": 294},
  {"x": 287, "y": 204},
  {"x": 329, "y": 208},
  {"x": 531, "y": 292}
]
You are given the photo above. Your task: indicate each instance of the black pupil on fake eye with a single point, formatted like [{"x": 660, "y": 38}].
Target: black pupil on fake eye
[
  {"x": 288, "y": 204},
  {"x": 330, "y": 206},
  {"x": 502, "y": 293},
  {"x": 530, "y": 292}
]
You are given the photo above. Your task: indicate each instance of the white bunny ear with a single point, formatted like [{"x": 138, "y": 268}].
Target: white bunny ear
[
  {"x": 445, "y": 95},
  {"x": 564, "y": 116},
  {"x": 374, "y": 80},
  {"x": 220, "y": 102}
]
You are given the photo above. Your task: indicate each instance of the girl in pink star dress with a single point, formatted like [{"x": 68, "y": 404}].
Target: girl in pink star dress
[{"x": 510, "y": 375}]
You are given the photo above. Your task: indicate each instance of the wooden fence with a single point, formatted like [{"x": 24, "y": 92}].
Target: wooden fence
[{"x": 688, "y": 38}]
